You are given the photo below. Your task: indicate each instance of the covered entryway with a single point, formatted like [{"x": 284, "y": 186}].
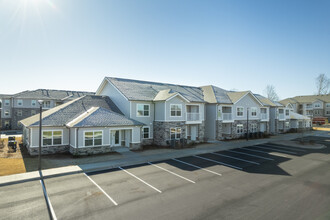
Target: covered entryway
[{"x": 120, "y": 137}]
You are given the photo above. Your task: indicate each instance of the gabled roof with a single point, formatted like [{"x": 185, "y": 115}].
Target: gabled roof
[
  {"x": 63, "y": 114},
  {"x": 213, "y": 94},
  {"x": 306, "y": 99},
  {"x": 267, "y": 102},
  {"x": 101, "y": 117},
  {"x": 47, "y": 94},
  {"x": 137, "y": 90},
  {"x": 236, "y": 96}
]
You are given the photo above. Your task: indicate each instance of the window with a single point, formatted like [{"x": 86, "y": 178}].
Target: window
[
  {"x": 253, "y": 128},
  {"x": 51, "y": 138},
  {"x": 33, "y": 102},
  {"x": 19, "y": 113},
  {"x": 19, "y": 102},
  {"x": 176, "y": 110},
  {"x": 175, "y": 133},
  {"x": 316, "y": 112},
  {"x": 7, "y": 113},
  {"x": 287, "y": 125},
  {"x": 7, "y": 102},
  {"x": 46, "y": 104},
  {"x": 327, "y": 112},
  {"x": 253, "y": 111},
  {"x": 93, "y": 138},
  {"x": 145, "y": 132},
  {"x": 327, "y": 105},
  {"x": 287, "y": 112},
  {"x": 239, "y": 129},
  {"x": 317, "y": 105},
  {"x": 33, "y": 112},
  {"x": 239, "y": 111},
  {"x": 7, "y": 123},
  {"x": 143, "y": 110}
]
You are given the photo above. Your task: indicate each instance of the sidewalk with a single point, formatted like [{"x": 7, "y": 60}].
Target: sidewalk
[{"x": 137, "y": 157}]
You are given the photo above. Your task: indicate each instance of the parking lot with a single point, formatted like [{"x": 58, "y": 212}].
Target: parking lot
[{"x": 265, "y": 181}]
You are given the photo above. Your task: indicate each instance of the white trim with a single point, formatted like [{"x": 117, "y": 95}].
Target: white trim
[
  {"x": 142, "y": 116},
  {"x": 19, "y": 100},
  {"x": 176, "y": 115},
  {"x": 75, "y": 137},
  {"x": 116, "y": 89},
  {"x": 249, "y": 92},
  {"x": 177, "y": 94},
  {"x": 42, "y": 139},
  {"x": 239, "y": 116},
  {"x": 93, "y": 138},
  {"x": 256, "y": 110},
  {"x": 79, "y": 117},
  {"x": 148, "y": 132},
  {"x": 130, "y": 109},
  {"x": 164, "y": 112}
]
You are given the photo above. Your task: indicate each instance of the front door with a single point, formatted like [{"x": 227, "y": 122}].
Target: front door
[
  {"x": 115, "y": 138},
  {"x": 193, "y": 131}
]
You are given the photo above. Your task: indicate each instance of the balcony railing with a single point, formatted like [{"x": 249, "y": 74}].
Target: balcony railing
[
  {"x": 281, "y": 116},
  {"x": 263, "y": 116},
  {"x": 193, "y": 116},
  {"x": 227, "y": 116}
]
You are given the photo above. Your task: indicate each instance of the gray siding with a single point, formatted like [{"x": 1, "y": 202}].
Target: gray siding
[
  {"x": 247, "y": 101},
  {"x": 175, "y": 100},
  {"x": 121, "y": 102},
  {"x": 147, "y": 120},
  {"x": 35, "y": 135},
  {"x": 210, "y": 121},
  {"x": 159, "y": 111}
]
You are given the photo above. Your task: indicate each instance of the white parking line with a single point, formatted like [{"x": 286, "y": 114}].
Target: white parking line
[
  {"x": 192, "y": 165},
  {"x": 270, "y": 148},
  {"x": 287, "y": 148},
  {"x": 171, "y": 172},
  {"x": 113, "y": 201},
  {"x": 140, "y": 180},
  {"x": 235, "y": 158},
  {"x": 252, "y": 155},
  {"x": 215, "y": 161},
  {"x": 52, "y": 212}
]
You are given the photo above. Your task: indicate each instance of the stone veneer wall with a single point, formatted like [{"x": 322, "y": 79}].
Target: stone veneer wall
[
  {"x": 45, "y": 150},
  {"x": 162, "y": 131},
  {"x": 218, "y": 130},
  {"x": 244, "y": 122},
  {"x": 201, "y": 132},
  {"x": 90, "y": 150},
  {"x": 134, "y": 146}
]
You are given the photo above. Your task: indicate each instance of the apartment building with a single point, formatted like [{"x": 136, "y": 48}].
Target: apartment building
[{"x": 25, "y": 104}]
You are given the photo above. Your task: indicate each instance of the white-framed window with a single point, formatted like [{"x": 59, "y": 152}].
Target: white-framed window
[
  {"x": 253, "y": 111},
  {"x": 7, "y": 113},
  {"x": 327, "y": 105},
  {"x": 175, "y": 133},
  {"x": 287, "y": 125},
  {"x": 317, "y": 112},
  {"x": 287, "y": 112},
  {"x": 7, "y": 102},
  {"x": 176, "y": 110},
  {"x": 46, "y": 104},
  {"x": 143, "y": 110},
  {"x": 253, "y": 128},
  {"x": 19, "y": 102},
  {"x": 317, "y": 105},
  {"x": 33, "y": 112},
  {"x": 33, "y": 102},
  {"x": 239, "y": 129},
  {"x": 93, "y": 138},
  {"x": 146, "y": 132},
  {"x": 50, "y": 138},
  {"x": 327, "y": 112},
  {"x": 19, "y": 113},
  {"x": 239, "y": 111}
]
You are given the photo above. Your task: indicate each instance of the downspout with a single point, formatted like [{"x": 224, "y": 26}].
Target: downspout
[{"x": 77, "y": 129}]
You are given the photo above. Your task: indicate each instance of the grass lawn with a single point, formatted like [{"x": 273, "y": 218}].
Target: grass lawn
[{"x": 11, "y": 166}]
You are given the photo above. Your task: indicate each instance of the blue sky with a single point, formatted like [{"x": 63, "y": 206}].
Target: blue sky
[{"x": 242, "y": 45}]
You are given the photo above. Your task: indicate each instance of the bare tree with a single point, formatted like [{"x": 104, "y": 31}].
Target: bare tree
[
  {"x": 270, "y": 93},
  {"x": 322, "y": 84}
]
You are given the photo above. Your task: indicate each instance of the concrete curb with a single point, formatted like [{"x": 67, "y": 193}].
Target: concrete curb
[{"x": 134, "y": 160}]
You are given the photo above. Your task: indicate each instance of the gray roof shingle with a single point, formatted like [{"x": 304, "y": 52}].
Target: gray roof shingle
[
  {"x": 63, "y": 114},
  {"x": 137, "y": 90}
]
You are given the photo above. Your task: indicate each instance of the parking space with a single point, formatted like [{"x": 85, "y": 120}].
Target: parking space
[
  {"x": 80, "y": 195},
  {"x": 14, "y": 205}
]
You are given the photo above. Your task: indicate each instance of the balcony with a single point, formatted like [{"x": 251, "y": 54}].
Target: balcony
[
  {"x": 227, "y": 116},
  {"x": 281, "y": 116},
  {"x": 263, "y": 116},
  {"x": 193, "y": 117}
]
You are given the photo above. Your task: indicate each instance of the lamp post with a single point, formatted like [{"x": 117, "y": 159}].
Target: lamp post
[
  {"x": 40, "y": 128},
  {"x": 247, "y": 124}
]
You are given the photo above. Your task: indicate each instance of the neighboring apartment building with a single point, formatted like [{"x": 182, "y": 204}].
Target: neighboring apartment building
[
  {"x": 25, "y": 104},
  {"x": 311, "y": 106},
  {"x": 229, "y": 114},
  {"x": 170, "y": 112}
]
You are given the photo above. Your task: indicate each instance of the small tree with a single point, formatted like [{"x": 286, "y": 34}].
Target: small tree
[
  {"x": 322, "y": 84},
  {"x": 270, "y": 93}
]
